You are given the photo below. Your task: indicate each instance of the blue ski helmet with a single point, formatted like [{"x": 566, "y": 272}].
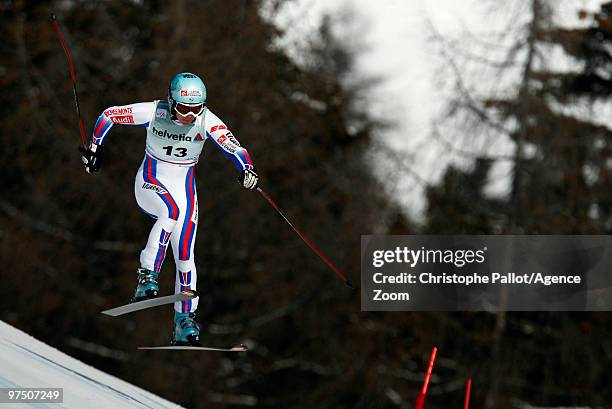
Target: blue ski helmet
[{"x": 186, "y": 88}]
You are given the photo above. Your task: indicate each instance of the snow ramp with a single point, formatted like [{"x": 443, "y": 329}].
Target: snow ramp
[{"x": 26, "y": 362}]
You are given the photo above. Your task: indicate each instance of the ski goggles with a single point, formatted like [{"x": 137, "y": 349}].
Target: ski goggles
[{"x": 194, "y": 110}]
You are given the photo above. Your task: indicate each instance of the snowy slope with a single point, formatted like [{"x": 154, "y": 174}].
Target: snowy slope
[{"x": 28, "y": 363}]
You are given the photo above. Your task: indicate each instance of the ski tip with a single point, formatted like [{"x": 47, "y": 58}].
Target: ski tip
[
  {"x": 239, "y": 348},
  {"x": 349, "y": 284},
  {"x": 109, "y": 313}
]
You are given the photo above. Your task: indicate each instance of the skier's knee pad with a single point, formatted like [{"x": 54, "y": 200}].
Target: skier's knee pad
[
  {"x": 168, "y": 224},
  {"x": 185, "y": 265}
]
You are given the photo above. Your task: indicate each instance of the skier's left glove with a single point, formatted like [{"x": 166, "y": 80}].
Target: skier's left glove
[
  {"x": 92, "y": 158},
  {"x": 248, "y": 179}
]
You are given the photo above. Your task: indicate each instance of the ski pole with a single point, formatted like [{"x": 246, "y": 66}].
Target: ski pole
[
  {"x": 468, "y": 388},
  {"x": 53, "y": 19},
  {"x": 421, "y": 397},
  {"x": 305, "y": 239}
]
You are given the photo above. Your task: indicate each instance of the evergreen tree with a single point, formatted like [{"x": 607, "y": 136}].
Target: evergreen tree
[
  {"x": 558, "y": 185},
  {"x": 69, "y": 241}
]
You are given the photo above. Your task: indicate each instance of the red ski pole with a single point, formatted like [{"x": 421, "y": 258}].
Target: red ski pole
[
  {"x": 468, "y": 388},
  {"x": 421, "y": 397},
  {"x": 53, "y": 19},
  {"x": 331, "y": 265}
]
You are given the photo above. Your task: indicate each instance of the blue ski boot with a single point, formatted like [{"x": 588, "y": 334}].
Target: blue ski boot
[
  {"x": 186, "y": 330},
  {"x": 147, "y": 286}
]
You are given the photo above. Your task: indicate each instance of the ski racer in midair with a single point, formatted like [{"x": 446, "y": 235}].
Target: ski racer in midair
[{"x": 165, "y": 185}]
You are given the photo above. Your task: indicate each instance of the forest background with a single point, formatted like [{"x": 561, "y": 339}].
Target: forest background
[{"x": 69, "y": 241}]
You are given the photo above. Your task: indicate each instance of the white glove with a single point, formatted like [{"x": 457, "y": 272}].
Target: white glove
[{"x": 248, "y": 179}]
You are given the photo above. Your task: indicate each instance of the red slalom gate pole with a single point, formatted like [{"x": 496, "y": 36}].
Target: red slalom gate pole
[
  {"x": 53, "y": 19},
  {"x": 331, "y": 265},
  {"x": 468, "y": 388},
  {"x": 421, "y": 398}
]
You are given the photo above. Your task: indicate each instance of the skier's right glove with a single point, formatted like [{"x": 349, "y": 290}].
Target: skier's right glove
[{"x": 92, "y": 158}]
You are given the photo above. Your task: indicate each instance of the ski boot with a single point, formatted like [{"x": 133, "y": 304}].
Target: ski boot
[
  {"x": 147, "y": 286},
  {"x": 186, "y": 330}
]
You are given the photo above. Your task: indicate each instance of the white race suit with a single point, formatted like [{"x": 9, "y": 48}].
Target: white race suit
[{"x": 165, "y": 185}]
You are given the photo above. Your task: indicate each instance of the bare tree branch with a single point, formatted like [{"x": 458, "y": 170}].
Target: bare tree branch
[{"x": 64, "y": 234}]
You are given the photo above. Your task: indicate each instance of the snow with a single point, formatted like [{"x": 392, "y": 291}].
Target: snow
[{"x": 28, "y": 363}]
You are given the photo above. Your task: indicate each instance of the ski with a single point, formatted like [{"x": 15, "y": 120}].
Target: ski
[
  {"x": 237, "y": 348},
  {"x": 151, "y": 302}
]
